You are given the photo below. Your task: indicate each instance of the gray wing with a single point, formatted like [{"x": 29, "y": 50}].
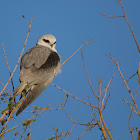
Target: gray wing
[
  {"x": 35, "y": 56},
  {"x": 31, "y": 63}
]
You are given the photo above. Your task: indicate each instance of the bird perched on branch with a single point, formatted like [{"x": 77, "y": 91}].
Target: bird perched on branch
[{"x": 39, "y": 65}]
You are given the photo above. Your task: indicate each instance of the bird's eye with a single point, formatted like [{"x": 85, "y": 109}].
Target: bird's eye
[
  {"x": 54, "y": 42},
  {"x": 46, "y": 41}
]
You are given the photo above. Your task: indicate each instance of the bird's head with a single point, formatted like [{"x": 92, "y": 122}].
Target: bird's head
[{"x": 47, "y": 40}]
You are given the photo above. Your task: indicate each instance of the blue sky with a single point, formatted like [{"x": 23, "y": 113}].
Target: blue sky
[{"x": 74, "y": 23}]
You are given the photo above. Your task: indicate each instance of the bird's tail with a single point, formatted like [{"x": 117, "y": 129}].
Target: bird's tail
[
  {"x": 19, "y": 89},
  {"x": 32, "y": 95}
]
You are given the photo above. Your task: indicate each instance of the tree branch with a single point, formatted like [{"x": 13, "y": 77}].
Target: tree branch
[{"x": 19, "y": 57}]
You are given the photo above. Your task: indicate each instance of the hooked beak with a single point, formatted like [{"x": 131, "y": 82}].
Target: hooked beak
[{"x": 51, "y": 45}]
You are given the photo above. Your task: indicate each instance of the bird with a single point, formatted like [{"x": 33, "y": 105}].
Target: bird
[{"x": 38, "y": 67}]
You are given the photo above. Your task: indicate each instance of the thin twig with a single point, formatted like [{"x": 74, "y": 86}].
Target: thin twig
[
  {"x": 131, "y": 76},
  {"x": 19, "y": 57},
  {"x": 74, "y": 96},
  {"x": 75, "y": 52},
  {"x": 130, "y": 106},
  {"x": 132, "y": 112},
  {"x": 112, "y": 16},
  {"x": 72, "y": 126},
  {"x": 88, "y": 74},
  {"x": 83, "y": 133},
  {"x": 106, "y": 90},
  {"x": 26, "y": 19},
  {"x": 4, "y": 132},
  {"x": 7, "y": 64},
  {"x": 85, "y": 124},
  {"x": 6, "y": 88},
  {"x": 106, "y": 103},
  {"x": 116, "y": 63},
  {"x": 23, "y": 133},
  {"x": 130, "y": 26},
  {"x": 60, "y": 135},
  {"x": 94, "y": 115},
  {"x": 127, "y": 23},
  {"x": 14, "y": 110},
  {"x": 87, "y": 128},
  {"x": 47, "y": 108},
  {"x": 100, "y": 111},
  {"x": 10, "y": 129}
]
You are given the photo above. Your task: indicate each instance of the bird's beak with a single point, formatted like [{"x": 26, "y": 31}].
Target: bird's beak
[{"x": 51, "y": 45}]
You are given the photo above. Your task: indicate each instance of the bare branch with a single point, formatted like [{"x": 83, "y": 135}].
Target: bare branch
[
  {"x": 4, "y": 114},
  {"x": 87, "y": 74},
  {"x": 7, "y": 89},
  {"x": 19, "y": 57},
  {"x": 8, "y": 120},
  {"x": 106, "y": 103},
  {"x": 138, "y": 136},
  {"x": 106, "y": 90},
  {"x": 131, "y": 131},
  {"x": 23, "y": 133},
  {"x": 130, "y": 26},
  {"x": 74, "y": 96},
  {"x": 126, "y": 21},
  {"x": 87, "y": 128},
  {"x": 4, "y": 132},
  {"x": 7, "y": 64},
  {"x": 40, "y": 108},
  {"x": 131, "y": 77},
  {"x": 83, "y": 133},
  {"x": 72, "y": 126},
  {"x": 116, "y": 63},
  {"x": 130, "y": 106},
  {"x": 111, "y": 16},
  {"x": 75, "y": 52},
  {"x": 100, "y": 112},
  {"x": 85, "y": 124}
]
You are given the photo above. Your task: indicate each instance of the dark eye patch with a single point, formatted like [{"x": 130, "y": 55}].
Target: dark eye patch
[
  {"x": 54, "y": 42},
  {"x": 46, "y": 41}
]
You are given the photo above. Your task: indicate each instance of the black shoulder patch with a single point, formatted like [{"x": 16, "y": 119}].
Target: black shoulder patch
[{"x": 52, "y": 60}]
